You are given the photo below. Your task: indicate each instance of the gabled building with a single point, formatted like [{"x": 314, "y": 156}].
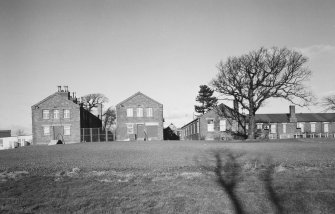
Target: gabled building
[
  {"x": 220, "y": 123},
  {"x": 139, "y": 117},
  {"x": 60, "y": 117},
  {"x": 293, "y": 125}
]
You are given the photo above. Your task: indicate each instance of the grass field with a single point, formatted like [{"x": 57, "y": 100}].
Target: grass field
[{"x": 164, "y": 177}]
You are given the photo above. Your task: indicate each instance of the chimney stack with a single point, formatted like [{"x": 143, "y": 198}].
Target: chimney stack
[
  {"x": 293, "y": 117},
  {"x": 66, "y": 88},
  {"x": 100, "y": 111},
  {"x": 59, "y": 88}
]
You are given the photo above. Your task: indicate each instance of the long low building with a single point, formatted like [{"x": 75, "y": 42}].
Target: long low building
[
  {"x": 293, "y": 125},
  {"x": 215, "y": 126}
]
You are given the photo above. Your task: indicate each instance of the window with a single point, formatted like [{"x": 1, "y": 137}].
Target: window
[
  {"x": 130, "y": 128},
  {"x": 56, "y": 114},
  {"x": 210, "y": 125},
  {"x": 194, "y": 128},
  {"x": 284, "y": 128},
  {"x": 198, "y": 126},
  {"x": 66, "y": 113},
  {"x": 325, "y": 127},
  {"x": 234, "y": 126},
  {"x": 149, "y": 112},
  {"x": 300, "y": 126},
  {"x": 129, "y": 112},
  {"x": 312, "y": 127},
  {"x": 45, "y": 114},
  {"x": 223, "y": 126},
  {"x": 46, "y": 130},
  {"x": 273, "y": 128},
  {"x": 259, "y": 125},
  {"x": 139, "y": 112},
  {"x": 67, "y": 130}
]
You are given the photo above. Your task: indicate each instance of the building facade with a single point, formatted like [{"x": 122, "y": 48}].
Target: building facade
[
  {"x": 60, "y": 116},
  {"x": 139, "y": 117},
  {"x": 220, "y": 123},
  {"x": 293, "y": 125},
  {"x": 212, "y": 126}
]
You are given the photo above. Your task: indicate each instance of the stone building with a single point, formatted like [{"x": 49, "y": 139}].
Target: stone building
[
  {"x": 139, "y": 117},
  {"x": 60, "y": 116}
]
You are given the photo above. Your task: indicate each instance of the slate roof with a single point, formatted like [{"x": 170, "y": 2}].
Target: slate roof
[{"x": 301, "y": 117}]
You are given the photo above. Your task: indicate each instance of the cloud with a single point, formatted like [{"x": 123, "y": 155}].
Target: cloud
[{"x": 316, "y": 50}]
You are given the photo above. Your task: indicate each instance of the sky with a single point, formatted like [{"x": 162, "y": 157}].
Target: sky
[{"x": 165, "y": 49}]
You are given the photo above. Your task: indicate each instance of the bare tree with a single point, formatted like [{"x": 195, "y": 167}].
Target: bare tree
[
  {"x": 109, "y": 117},
  {"x": 328, "y": 103},
  {"x": 91, "y": 101},
  {"x": 253, "y": 78}
]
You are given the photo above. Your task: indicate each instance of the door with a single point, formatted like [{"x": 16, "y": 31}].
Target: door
[
  {"x": 58, "y": 132},
  {"x": 140, "y": 132},
  {"x": 152, "y": 132}
]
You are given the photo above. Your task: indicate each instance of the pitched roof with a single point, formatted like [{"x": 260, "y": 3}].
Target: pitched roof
[
  {"x": 138, "y": 93},
  {"x": 301, "y": 117},
  {"x": 49, "y": 97},
  {"x": 45, "y": 99}
]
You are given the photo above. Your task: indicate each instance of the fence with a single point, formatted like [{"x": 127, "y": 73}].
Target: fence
[{"x": 95, "y": 135}]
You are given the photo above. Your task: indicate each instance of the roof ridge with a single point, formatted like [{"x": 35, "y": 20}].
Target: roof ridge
[
  {"x": 45, "y": 99},
  {"x": 138, "y": 93}
]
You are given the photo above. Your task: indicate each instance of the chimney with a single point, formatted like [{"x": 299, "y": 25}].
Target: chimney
[
  {"x": 59, "y": 88},
  {"x": 100, "y": 111},
  {"x": 235, "y": 105},
  {"x": 292, "y": 118},
  {"x": 66, "y": 88}
]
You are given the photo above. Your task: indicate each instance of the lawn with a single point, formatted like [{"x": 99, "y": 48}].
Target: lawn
[{"x": 165, "y": 177}]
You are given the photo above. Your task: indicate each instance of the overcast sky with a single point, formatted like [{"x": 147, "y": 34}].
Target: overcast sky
[{"x": 165, "y": 49}]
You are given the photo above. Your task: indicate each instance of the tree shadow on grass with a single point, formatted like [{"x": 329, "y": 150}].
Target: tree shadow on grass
[{"x": 229, "y": 174}]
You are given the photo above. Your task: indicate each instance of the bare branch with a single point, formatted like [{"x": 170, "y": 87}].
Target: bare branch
[{"x": 91, "y": 101}]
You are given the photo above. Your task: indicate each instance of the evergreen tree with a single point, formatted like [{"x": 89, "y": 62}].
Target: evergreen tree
[{"x": 206, "y": 98}]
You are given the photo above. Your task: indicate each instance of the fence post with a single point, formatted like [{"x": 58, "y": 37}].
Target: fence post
[
  {"x": 106, "y": 133},
  {"x": 91, "y": 134}
]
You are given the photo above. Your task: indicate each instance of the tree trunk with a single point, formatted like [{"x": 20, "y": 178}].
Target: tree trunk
[{"x": 251, "y": 131}]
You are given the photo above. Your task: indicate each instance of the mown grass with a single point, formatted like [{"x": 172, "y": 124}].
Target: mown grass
[{"x": 163, "y": 177}]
